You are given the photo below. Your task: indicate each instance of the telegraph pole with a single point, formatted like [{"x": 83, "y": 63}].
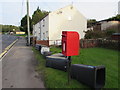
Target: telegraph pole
[{"x": 28, "y": 23}]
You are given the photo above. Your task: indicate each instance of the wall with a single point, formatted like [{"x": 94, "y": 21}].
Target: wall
[
  {"x": 105, "y": 24},
  {"x": 36, "y": 30},
  {"x": 40, "y": 30},
  {"x": 90, "y": 43},
  {"x": 43, "y": 42},
  {"x": 66, "y": 19},
  {"x": 44, "y": 28}
]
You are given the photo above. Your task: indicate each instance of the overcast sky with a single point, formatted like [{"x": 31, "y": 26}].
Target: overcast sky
[{"x": 11, "y": 11}]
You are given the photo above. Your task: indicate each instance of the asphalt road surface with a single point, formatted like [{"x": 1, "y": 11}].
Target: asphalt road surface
[
  {"x": 6, "y": 40},
  {"x": 18, "y": 68}
]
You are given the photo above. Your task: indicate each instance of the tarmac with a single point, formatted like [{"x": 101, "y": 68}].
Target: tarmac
[
  {"x": 6, "y": 40},
  {"x": 18, "y": 68}
]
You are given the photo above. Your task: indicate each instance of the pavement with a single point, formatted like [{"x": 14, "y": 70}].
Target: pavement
[{"x": 18, "y": 68}]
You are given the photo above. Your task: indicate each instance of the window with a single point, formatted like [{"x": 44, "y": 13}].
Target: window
[
  {"x": 43, "y": 22},
  {"x": 43, "y": 36}
]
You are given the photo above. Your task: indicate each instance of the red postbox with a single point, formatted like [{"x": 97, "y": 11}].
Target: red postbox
[{"x": 70, "y": 43}]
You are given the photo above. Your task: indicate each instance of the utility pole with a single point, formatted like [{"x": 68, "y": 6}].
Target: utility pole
[{"x": 28, "y": 23}]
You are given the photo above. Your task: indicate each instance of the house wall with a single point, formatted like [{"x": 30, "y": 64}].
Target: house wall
[
  {"x": 36, "y": 31},
  {"x": 44, "y": 30},
  {"x": 107, "y": 24},
  {"x": 97, "y": 27},
  {"x": 40, "y": 30},
  {"x": 67, "y": 19}
]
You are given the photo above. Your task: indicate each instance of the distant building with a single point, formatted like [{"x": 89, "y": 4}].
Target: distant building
[
  {"x": 49, "y": 29},
  {"x": 109, "y": 24},
  {"x": 20, "y": 33},
  {"x": 104, "y": 25}
]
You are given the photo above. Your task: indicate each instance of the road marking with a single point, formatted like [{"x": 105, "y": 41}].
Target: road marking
[{"x": 7, "y": 49}]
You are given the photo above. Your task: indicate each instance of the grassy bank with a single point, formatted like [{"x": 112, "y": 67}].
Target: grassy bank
[
  {"x": 54, "y": 78},
  {"x": 90, "y": 56}
]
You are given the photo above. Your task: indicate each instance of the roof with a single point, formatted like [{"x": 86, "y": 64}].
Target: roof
[
  {"x": 71, "y": 6},
  {"x": 58, "y": 10}
]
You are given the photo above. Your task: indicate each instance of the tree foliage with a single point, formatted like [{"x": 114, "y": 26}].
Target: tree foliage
[
  {"x": 38, "y": 15},
  {"x": 90, "y": 34},
  {"x": 9, "y": 28},
  {"x": 23, "y": 26},
  {"x": 117, "y": 18},
  {"x": 91, "y": 22}
]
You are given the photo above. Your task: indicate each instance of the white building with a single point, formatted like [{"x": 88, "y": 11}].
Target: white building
[
  {"x": 119, "y": 7},
  {"x": 64, "y": 19}
]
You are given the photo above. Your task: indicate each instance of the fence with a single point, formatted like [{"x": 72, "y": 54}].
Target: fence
[
  {"x": 84, "y": 43},
  {"x": 89, "y": 43}
]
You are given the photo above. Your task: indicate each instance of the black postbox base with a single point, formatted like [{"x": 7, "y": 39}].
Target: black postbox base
[{"x": 56, "y": 63}]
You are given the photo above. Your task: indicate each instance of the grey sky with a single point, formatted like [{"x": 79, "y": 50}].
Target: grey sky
[{"x": 11, "y": 11}]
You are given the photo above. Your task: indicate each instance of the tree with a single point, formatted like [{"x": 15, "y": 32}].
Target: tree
[
  {"x": 38, "y": 15},
  {"x": 23, "y": 26},
  {"x": 94, "y": 34},
  {"x": 109, "y": 32},
  {"x": 91, "y": 22},
  {"x": 117, "y": 18},
  {"x": 9, "y": 28}
]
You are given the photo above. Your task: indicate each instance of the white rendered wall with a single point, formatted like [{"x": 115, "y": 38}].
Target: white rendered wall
[
  {"x": 40, "y": 30},
  {"x": 36, "y": 30},
  {"x": 66, "y": 19},
  {"x": 44, "y": 28}
]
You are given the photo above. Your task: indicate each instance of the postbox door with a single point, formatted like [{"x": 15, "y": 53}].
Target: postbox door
[{"x": 70, "y": 43}]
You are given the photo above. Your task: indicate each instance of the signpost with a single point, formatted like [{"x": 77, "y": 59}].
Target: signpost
[
  {"x": 28, "y": 23},
  {"x": 70, "y": 47}
]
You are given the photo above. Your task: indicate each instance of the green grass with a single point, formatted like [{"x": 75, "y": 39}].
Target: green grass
[
  {"x": 54, "y": 78},
  {"x": 100, "y": 56},
  {"x": 90, "y": 56}
]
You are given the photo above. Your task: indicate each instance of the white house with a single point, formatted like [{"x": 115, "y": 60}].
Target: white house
[
  {"x": 119, "y": 7},
  {"x": 64, "y": 19}
]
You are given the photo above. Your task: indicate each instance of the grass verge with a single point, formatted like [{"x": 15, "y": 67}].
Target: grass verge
[
  {"x": 54, "y": 78},
  {"x": 91, "y": 56},
  {"x": 99, "y": 56}
]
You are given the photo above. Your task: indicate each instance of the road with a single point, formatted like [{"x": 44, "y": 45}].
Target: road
[
  {"x": 18, "y": 68},
  {"x": 6, "y": 40}
]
